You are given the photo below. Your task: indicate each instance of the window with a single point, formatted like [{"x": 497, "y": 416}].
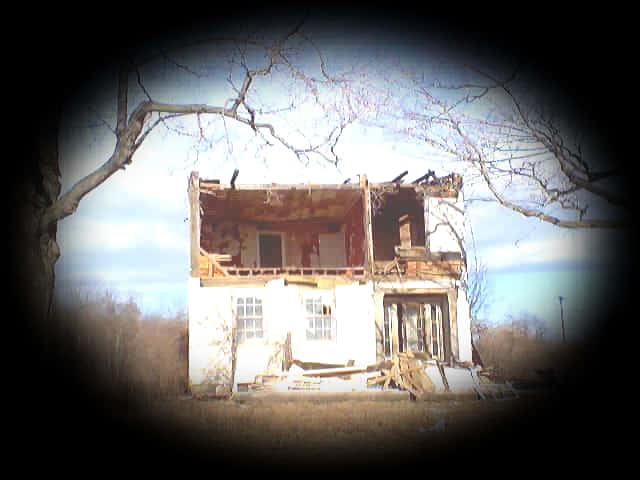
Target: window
[
  {"x": 249, "y": 319},
  {"x": 320, "y": 322}
]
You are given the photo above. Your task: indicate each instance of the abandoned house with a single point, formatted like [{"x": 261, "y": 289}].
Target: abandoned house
[{"x": 323, "y": 276}]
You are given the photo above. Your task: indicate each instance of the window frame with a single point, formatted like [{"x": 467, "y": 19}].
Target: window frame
[
  {"x": 241, "y": 319},
  {"x": 319, "y": 300}
]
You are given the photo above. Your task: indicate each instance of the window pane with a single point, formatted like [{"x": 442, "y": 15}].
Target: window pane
[
  {"x": 317, "y": 307},
  {"x": 248, "y": 324},
  {"x": 241, "y": 301},
  {"x": 248, "y": 310},
  {"x": 240, "y": 309},
  {"x": 249, "y": 334},
  {"x": 257, "y": 324},
  {"x": 258, "y": 309},
  {"x": 308, "y": 305},
  {"x": 249, "y": 301},
  {"x": 258, "y": 334}
]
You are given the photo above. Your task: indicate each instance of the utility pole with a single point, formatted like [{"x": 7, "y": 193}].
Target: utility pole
[{"x": 560, "y": 299}]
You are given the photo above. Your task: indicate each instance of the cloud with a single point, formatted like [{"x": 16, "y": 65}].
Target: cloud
[
  {"x": 111, "y": 234},
  {"x": 557, "y": 248}
]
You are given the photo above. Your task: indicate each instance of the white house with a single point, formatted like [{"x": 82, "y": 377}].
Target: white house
[{"x": 323, "y": 275}]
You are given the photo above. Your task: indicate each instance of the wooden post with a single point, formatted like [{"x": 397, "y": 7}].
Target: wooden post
[
  {"x": 454, "y": 346},
  {"x": 194, "y": 222},
  {"x": 368, "y": 229},
  {"x": 564, "y": 338}
]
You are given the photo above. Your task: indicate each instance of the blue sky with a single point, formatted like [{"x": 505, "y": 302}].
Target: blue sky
[{"x": 130, "y": 235}]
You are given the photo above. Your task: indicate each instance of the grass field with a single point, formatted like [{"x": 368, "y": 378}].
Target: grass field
[{"x": 294, "y": 433}]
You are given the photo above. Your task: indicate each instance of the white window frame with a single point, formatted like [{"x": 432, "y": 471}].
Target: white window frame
[
  {"x": 439, "y": 331},
  {"x": 319, "y": 314},
  {"x": 240, "y": 319}
]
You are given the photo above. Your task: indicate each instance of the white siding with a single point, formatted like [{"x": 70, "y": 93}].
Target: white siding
[
  {"x": 210, "y": 329},
  {"x": 445, "y": 221}
]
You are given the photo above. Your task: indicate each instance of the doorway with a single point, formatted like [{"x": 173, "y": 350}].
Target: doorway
[
  {"x": 416, "y": 323},
  {"x": 270, "y": 250}
]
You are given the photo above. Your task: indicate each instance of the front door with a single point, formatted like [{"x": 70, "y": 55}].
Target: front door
[{"x": 414, "y": 323}]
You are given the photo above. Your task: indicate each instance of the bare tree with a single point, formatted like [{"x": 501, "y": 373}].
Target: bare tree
[
  {"x": 263, "y": 60},
  {"x": 477, "y": 290},
  {"x": 530, "y": 154}
]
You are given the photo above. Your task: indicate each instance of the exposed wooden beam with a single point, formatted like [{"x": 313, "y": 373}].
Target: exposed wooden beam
[
  {"x": 400, "y": 177},
  {"x": 430, "y": 173},
  {"x": 233, "y": 178},
  {"x": 194, "y": 223},
  {"x": 368, "y": 229}
]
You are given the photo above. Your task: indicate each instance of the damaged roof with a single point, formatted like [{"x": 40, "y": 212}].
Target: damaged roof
[{"x": 294, "y": 202}]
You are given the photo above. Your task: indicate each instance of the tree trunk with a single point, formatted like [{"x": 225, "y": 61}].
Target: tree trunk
[{"x": 35, "y": 250}]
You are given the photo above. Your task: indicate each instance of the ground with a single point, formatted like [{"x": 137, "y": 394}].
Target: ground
[{"x": 321, "y": 433}]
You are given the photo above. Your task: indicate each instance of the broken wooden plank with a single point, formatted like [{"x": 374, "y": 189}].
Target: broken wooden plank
[
  {"x": 317, "y": 365},
  {"x": 332, "y": 372},
  {"x": 444, "y": 377}
]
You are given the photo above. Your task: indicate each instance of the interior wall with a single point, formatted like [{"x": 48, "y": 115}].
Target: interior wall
[
  {"x": 354, "y": 236},
  {"x": 306, "y": 244}
]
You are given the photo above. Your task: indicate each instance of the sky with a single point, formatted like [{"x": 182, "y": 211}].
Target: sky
[{"x": 130, "y": 236}]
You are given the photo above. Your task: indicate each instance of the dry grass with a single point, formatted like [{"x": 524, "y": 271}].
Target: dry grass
[
  {"x": 131, "y": 355},
  {"x": 514, "y": 354},
  {"x": 343, "y": 432}
]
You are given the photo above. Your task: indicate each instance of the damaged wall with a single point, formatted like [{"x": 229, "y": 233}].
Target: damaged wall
[
  {"x": 305, "y": 244},
  {"x": 213, "y": 311},
  {"x": 445, "y": 223},
  {"x": 392, "y": 206}
]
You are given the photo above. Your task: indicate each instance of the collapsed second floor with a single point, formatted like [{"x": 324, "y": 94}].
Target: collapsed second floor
[{"x": 373, "y": 230}]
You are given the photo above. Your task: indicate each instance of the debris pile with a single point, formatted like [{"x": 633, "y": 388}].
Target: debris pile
[
  {"x": 335, "y": 379},
  {"x": 422, "y": 377},
  {"x": 408, "y": 373}
]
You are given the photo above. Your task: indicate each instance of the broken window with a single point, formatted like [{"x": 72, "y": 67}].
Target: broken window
[
  {"x": 320, "y": 321},
  {"x": 249, "y": 319}
]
